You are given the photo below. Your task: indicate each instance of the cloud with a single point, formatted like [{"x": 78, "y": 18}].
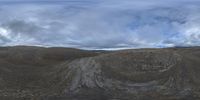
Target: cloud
[{"x": 100, "y": 24}]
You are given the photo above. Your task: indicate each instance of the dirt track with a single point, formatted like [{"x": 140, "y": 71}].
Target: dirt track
[{"x": 35, "y": 73}]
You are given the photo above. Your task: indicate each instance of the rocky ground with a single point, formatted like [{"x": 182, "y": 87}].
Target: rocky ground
[{"x": 36, "y": 73}]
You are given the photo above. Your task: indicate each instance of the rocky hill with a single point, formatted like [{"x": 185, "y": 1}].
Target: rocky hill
[{"x": 36, "y": 73}]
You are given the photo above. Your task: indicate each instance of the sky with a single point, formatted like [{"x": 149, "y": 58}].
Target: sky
[{"x": 100, "y": 24}]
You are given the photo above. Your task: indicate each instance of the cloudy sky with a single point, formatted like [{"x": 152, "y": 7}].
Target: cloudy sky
[{"x": 100, "y": 24}]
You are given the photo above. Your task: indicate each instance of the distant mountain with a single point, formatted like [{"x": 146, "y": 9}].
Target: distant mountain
[{"x": 37, "y": 73}]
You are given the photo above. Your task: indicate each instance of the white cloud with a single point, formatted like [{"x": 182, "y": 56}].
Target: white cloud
[
  {"x": 4, "y": 32},
  {"x": 102, "y": 24}
]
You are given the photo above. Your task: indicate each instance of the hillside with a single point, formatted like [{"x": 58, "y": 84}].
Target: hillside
[{"x": 36, "y": 73}]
